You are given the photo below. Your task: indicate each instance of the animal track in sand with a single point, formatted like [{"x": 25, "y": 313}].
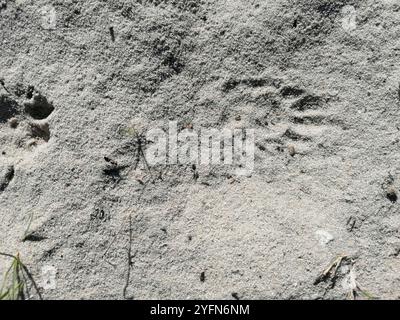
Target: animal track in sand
[
  {"x": 308, "y": 116},
  {"x": 23, "y": 123},
  {"x": 38, "y": 107},
  {"x": 288, "y": 115}
]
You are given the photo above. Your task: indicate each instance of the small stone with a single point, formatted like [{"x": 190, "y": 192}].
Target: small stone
[
  {"x": 292, "y": 150},
  {"x": 324, "y": 237}
]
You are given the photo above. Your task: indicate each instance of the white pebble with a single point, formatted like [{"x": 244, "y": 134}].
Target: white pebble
[{"x": 323, "y": 237}]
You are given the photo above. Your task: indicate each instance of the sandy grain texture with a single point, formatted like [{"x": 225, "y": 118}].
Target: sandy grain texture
[{"x": 319, "y": 82}]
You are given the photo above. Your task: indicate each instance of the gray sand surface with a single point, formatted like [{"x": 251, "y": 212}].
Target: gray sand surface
[{"x": 317, "y": 80}]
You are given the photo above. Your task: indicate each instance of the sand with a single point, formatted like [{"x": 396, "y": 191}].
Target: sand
[{"x": 317, "y": 81}]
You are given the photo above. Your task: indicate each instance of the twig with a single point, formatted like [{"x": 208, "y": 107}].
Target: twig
[
  {"x": 328, "y": 271},
  {"x": 128, "y": 273}
]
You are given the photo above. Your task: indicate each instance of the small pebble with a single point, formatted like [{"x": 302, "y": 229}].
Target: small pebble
[
  {"x": 292, "y": 150},
  {"x": 324, "y": 237}
]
